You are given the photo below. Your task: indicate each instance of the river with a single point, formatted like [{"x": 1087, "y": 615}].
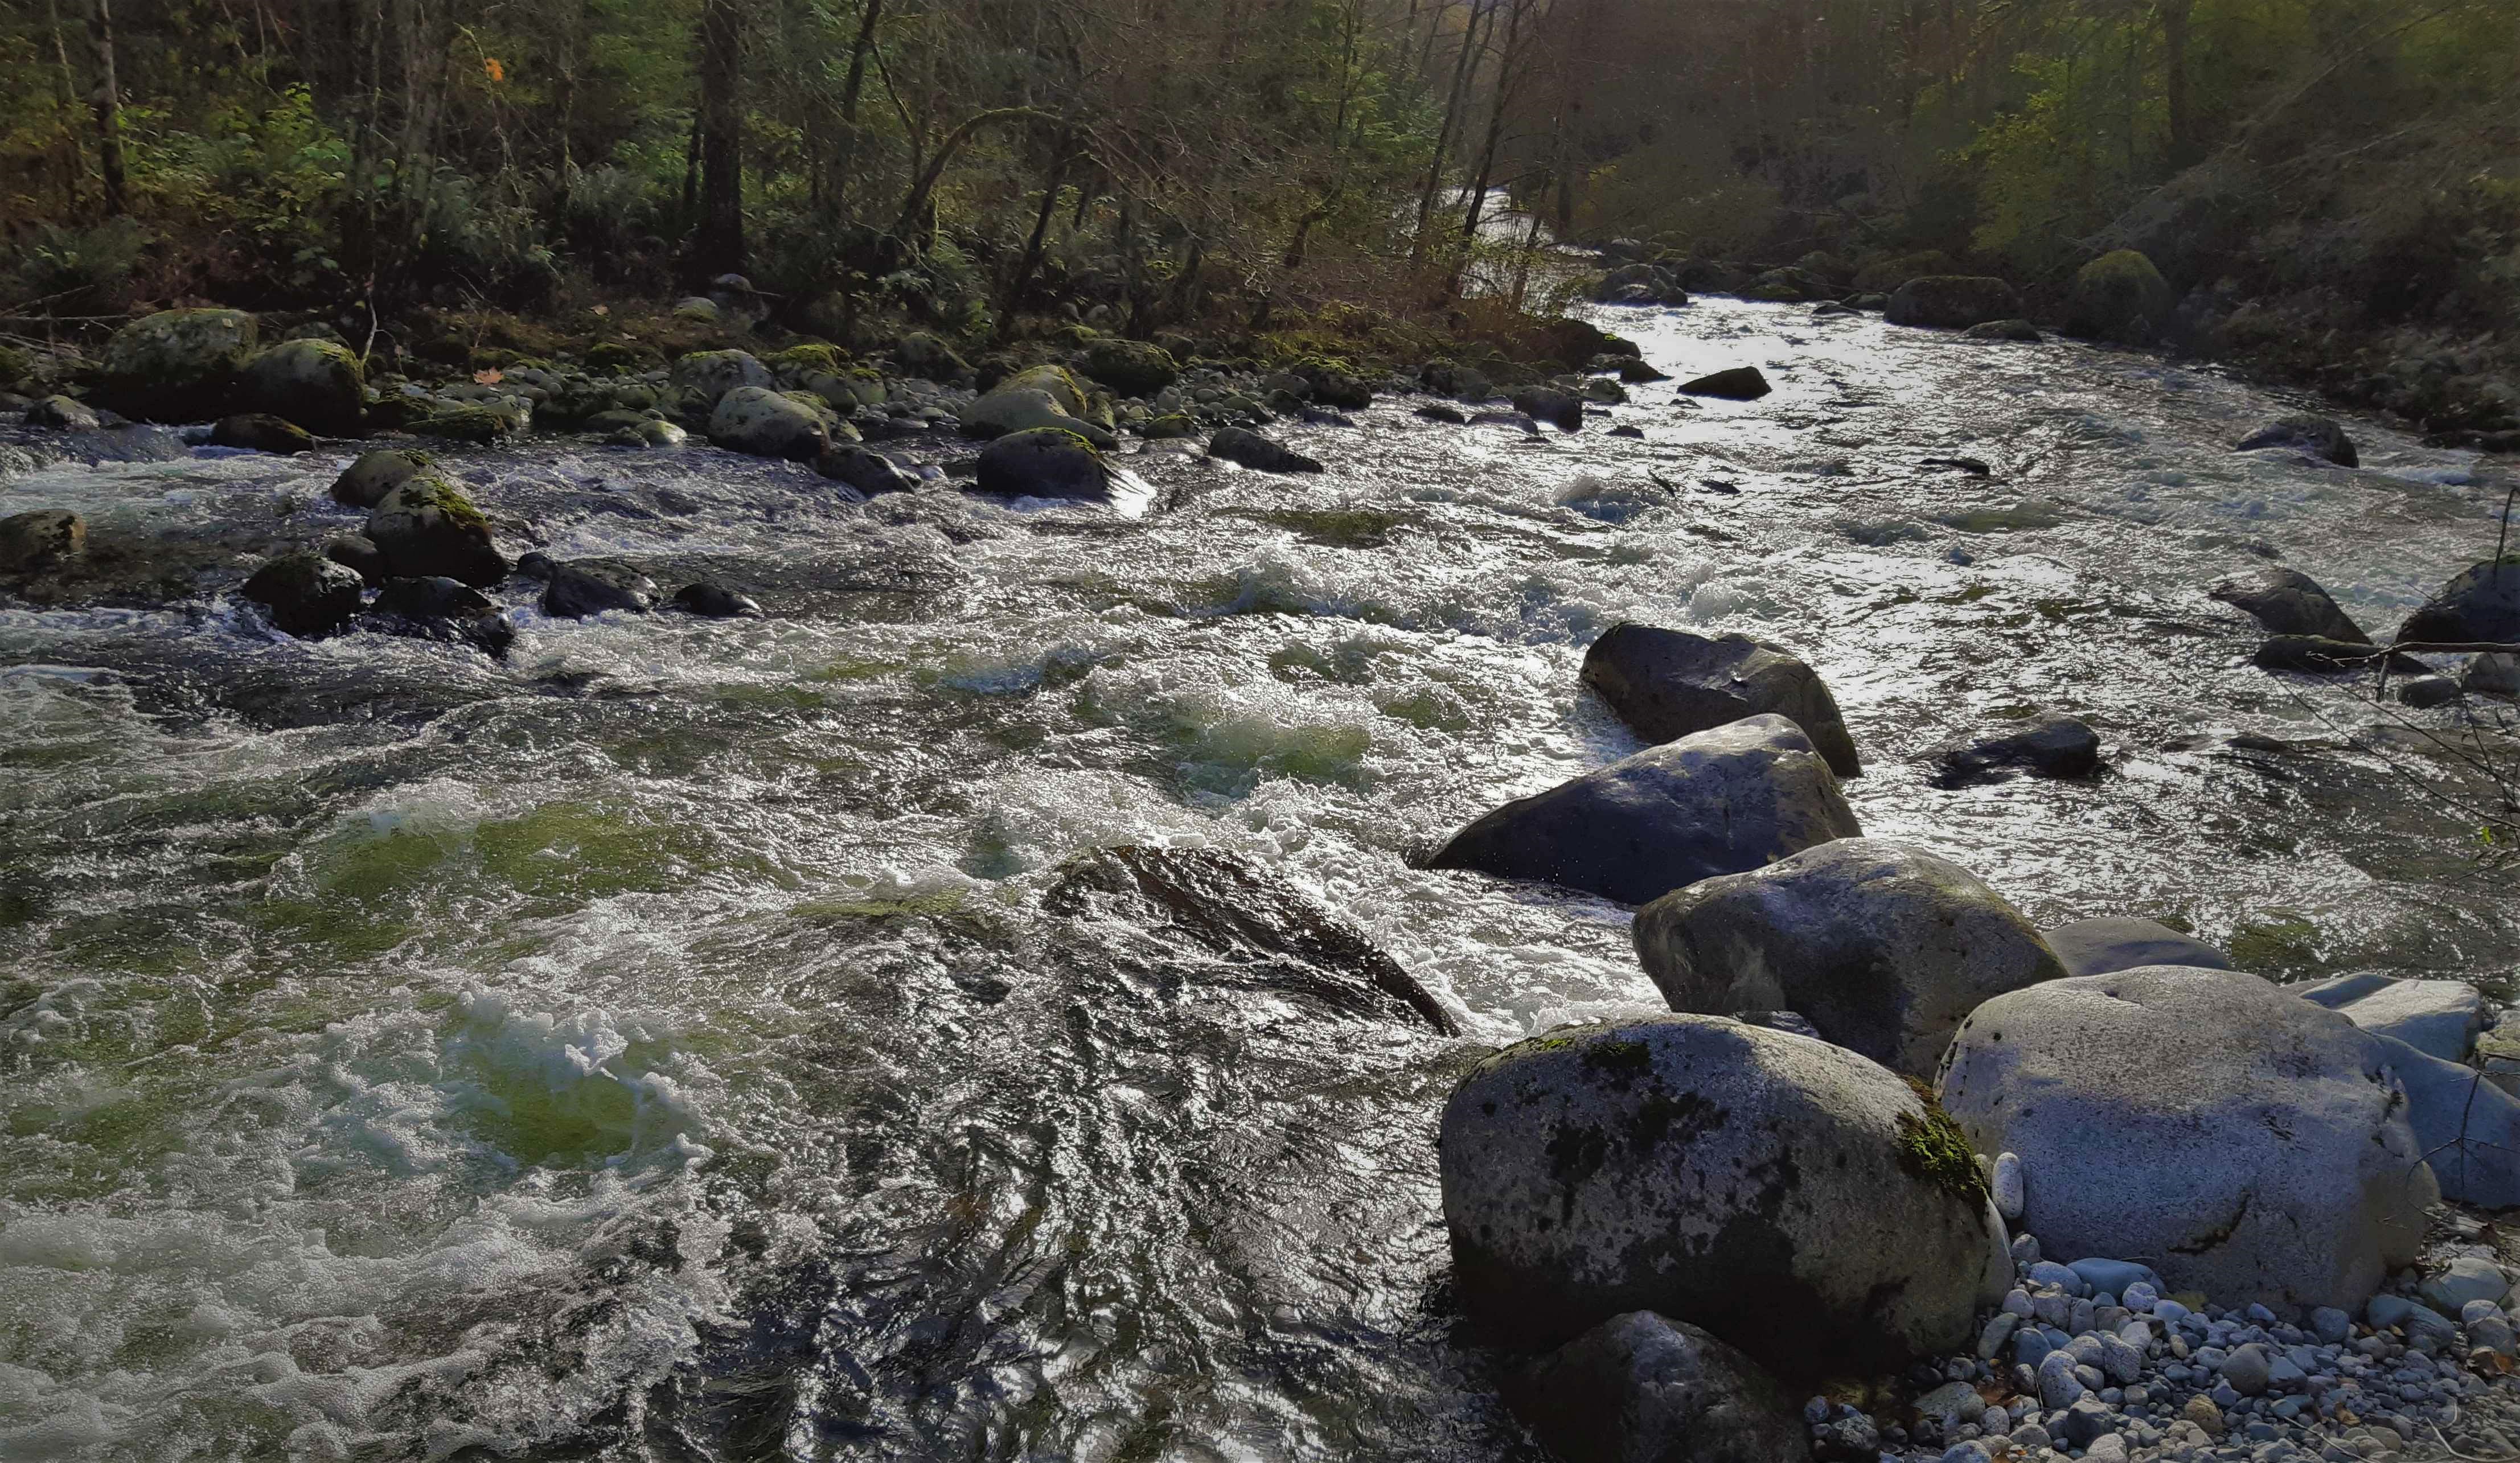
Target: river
[{"x": 652, "y": 1046}]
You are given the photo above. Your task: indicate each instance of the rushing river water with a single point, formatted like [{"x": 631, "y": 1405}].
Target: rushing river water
[{"x": 653, "y": 1046}]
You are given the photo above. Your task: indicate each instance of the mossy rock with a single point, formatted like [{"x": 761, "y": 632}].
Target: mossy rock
[
  {"x": 1046, "y": 462},
  {"x": 261, "y": 431},
  {"x": 478, "y": 424},
  {"x": 712, "y": 374},
  {"x": 318, "y": 383},
  {"x": 1055, "y": 380},
  {"x": 806, "y": 357},
  {"x": 176, "y": 364},
  {"x": 619, "y": 357},
  {"x": 1132, "y": 367},
  {"x": 365, "y": 482},
  {"x": 429, "y": 527},
  {"x": 2121, "y": 296},
  {"x": 1166, "y": 427},
  {"x": 13, "y": 366}
]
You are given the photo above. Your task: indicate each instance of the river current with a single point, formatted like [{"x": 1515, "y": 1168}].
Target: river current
[{"x": 653, "y": 1046}]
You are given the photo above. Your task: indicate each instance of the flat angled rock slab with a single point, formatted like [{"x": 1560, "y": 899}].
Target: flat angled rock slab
[
  {"x": 2439, "y": 1018},
  {"x": 1666, "y": 683},
  {"x": 2112, "y": 942}
]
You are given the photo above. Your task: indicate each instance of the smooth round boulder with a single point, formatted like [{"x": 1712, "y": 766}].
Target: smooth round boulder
[
  {"x": 317, "y": 383},
  {"x": 2481, "y": 604},
  {"x": 1737, "y": 797},
  {"x": 1044, "y": 463},
  {"x": 2119, "y": 297},
  {"x": 426, "y": 528},
  {"x": 2112, "y": 942},
  {"x": 365, "y": 482},
  {"x": 583, "y": 587},
  {"x": 2318, "y": 436},
  {"x": 1131, "y": 367},
  {"x": 1884, "y": 948},
  {"x": 260, "y": 431},
  {"x": 865, "y": 469},
  {"x": 1953, "y": 302},
  {"x": 1249, "y": 449},
  {"x": 176, "y": 364},
  {"x": 1789, "y": 1196},
  {"x": 762, "y": 422},
  {"x": 306, "y": 594},
  {"x": 1015, "y": 408},
  {"x": 2288, "y": 601},
  {"x": 708, "y": 374},
  {"x": 1738, "y": 383},
  {"x": 1666, "y": 683},
  {"x": 1641, "y": 1388},
  {"x": 2237, "y": 1138}
]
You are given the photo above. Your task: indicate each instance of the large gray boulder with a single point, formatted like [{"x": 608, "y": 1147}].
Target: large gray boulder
[
  {"x": 706, "y": 375},
  {"x": 1737, "y": 797},
  {"x": 426, "y": 528},
  {"x": 1884, "y": 948},
  {"x": 365, "y": 482},
  {"x": 2483, "y": 603},
  {"x": 1641, "y": 1388},
  {"x": 2467, "y": 1126},
  {"x": 176, "y": 364},
  {"x": 2241, "y": 1140},
  {"x": 2121, "y": 296},
  {"x": 1789, "y": 1196},
  {"x": 1953, "y": 302},
  {"x": 1666, "y": 683},
  {"x": 2112, "y": 942},
  {"x": 319, "y": 384},
  {"x": 2288, "y": 601},
  {"x": 1013, "y": 407},
  {"x": 2440, "y": 1018},
  {"x": 763, "y": 423}
]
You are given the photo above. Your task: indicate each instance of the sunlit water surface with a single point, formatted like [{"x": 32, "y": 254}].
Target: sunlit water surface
[{"x": 652, "y": 1046}]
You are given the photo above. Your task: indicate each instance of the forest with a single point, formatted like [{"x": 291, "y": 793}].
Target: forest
[{"x": 2297, "y": 168}]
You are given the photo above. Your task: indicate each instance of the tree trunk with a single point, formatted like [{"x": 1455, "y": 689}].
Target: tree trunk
[
  {"x": 2174, "y": 73},
  {"x": 1464, "y": 67},
  {"x": 1495, "y": 126},
  {"x": 66, "y": 98},
  {"x": 846, "y": 163},
  {"x": 1032, "y": 251},
  {"x": 718, "y": 247},
  {"x": 107, "y": 102}
]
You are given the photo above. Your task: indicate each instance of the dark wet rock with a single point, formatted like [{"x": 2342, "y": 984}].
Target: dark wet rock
[
  {"x": 2288, "y": 601},
  {"x": 706, "y": 375},
  {"x": 1738, "y": 383},
  {"x": 426, "y": 528},
  {"x": 306, "y": 594},
  {"x": 2422, "y": 693},
  {"x": 583, "y": 587},
  {"x": 176, "y": 364},
  {"x": 44, "y": 539},
  {"x": 1626, "y": 430},
  {"x": 1790, "y": 285},
  {"x": 1973, "y": 466},
  {"x": 762, "y": 422},
  {"x": 1514, "y": 420},
  {"x": 1335, "y": 386},
  {"x": 1131, "y": 367},
  {"x": 354, "y": 553},
  {"x": 1629, "y": 368},
  {"x": 1457, "y": 381},
  {"x": 1884, "y": 948},
  {"x": 434, "y": 607},
  {"x": 2116, "y": 942},
  {"x": 63, "y": 414},
  {"x": 1563, "y": 409},
  {"x": 318, "y": 383},
  {"x": 1826, "y": 308},
  {"x": 365, "y": 482},
  {"x": 2238, "y": 1139},
  {"x": 260, "y": 431},
  {"x": 2056, "y": 747},
  {"x": 923, "y": 354},
  {"x": 2121, "y": 296},
  {"x": 2481, "y": 604},
  {"x": 2021, "y": 331},
  {"x": 2314, "y": 654},
  {"x": 2493, "y": 675},
  {"x": 2318, "y": 436},
  {"x": 1237, "y": 444},
  {"x": 866, "y": 471},
  {"x": 1717, "y": 802},
  {"x": 536, "y": 565},
  {"x": 1641, "y": 1388},
  {"x": 1044, "y": 463},
  {"x": 1666, "y": 683},
  {"x": 471, "y": 422},
  {"x": 1953, "y": 302},
  {"x": 1793, "y": 1198},
  {"x": 717, "y": 603},
  {"x": 1271, "y": 935},
  {"x": 1438, "y": 412},
  {"x": 1172, "y": 426}
]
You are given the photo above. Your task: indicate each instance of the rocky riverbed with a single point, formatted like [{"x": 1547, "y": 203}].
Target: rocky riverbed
[{"x": 682, "y": 1035}]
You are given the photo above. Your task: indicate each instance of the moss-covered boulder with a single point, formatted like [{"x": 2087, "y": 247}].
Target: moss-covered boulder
[
  {"x": 306, "y": 594},
  {"x": 805, "y": 357},
  {"x": 1170, "y": 425},
  {"x": 2119, "y": 297},
  {"x": 1132, "y": 367},
  {"x": 1017, "y": 406},
  {"x": 1333, "y": 383},
  {"x": 1800, "y": 1202},
  {"x": 1063, "y": 387},
  {"x": 318, "y": 384},
  {"x": 176, "y": 364},
  {"x": 261, "y": 431},
  {"x": 476, "y": 423},
  {"x": 427, "y": 527},
  {"x": 764, "y": 422},
  {"x": 712, "y": 374},
  {"x": 42, "y": 539},
  {"x": 619, "y": 357},
  {"x": 1953, "y": 302},
  {"x": 1045, "y": 463},
  {"x": 365, "y": 482}
]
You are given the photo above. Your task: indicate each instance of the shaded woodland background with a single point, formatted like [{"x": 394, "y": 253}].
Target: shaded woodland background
[{"x": 2333, "y": 164}]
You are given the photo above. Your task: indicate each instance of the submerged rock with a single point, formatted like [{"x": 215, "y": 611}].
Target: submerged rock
[
  {"x": 306, "y": 594},
  {"x": 718, "y": 602},
  {"x": 2059, "y": 747},
  {"x": 260, "y": 431},
  {"x": 365, "y": 482},
  {"x": 319, "y": 383},
  {"x": 2109, "y": 943},
  {"x": 2481, "y": 604},
  {"x": 44, "y": 538},
  {"x": 435, "y": 607},
  {"x": 1641, "y": 1388},
  {"x": 2314, "y": 654},
  {"x": 2288, "y": 601},
  {"x": 1791, "y": 1197},
  {"x": 2021, "y": 331},
  {"x": 1740, "y": 384},
  {"x": 2229, "y": 1133},
  {"x": 1884, "y": 948},
  {"x": 1249, "y": 918},
  {"x": 1953, "y": 302},
  {"x": 1717, "y": 802},
  {"x": 1236, "y": 444},
  {"x": 1666, "y": 683},
  {"x": 583, "y": 587},
  {"x": 176, "y": 364},
  {"x": 428, "y": 528},
  {"x": 2318, "y": 436}
]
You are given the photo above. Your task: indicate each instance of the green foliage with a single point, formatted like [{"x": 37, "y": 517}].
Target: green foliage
[{"x": 76, "y": 268}]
